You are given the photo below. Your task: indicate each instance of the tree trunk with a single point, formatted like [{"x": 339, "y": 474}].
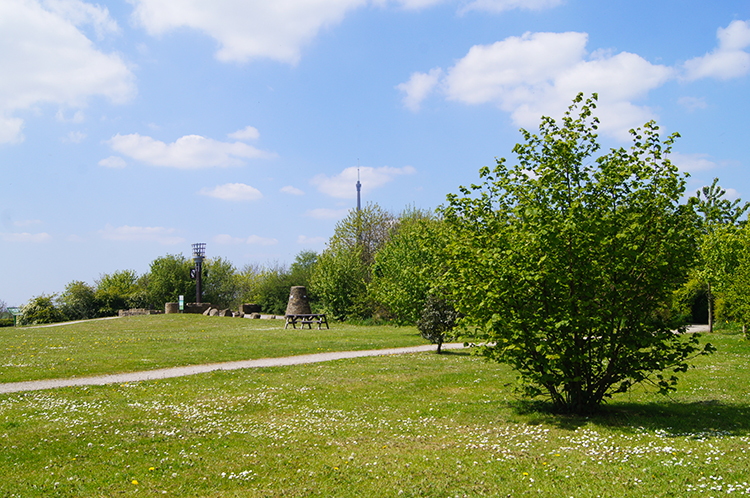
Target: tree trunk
[{"x": 440, "y": 345}]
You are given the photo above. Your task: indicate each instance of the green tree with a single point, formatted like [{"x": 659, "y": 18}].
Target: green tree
[
  {"x": 344, "y": 269},
  {"x": 169, "y": 278},
  {"x": 220, "y": 286},
  {"x": 438, "y": 320},
  {"x": 726, "y": 262},
  {"x": 78, "y": 301},
  {"x": 716, "y": 212},
  {"x": 114, "y": 291},
  {"x": 564, "y": 263},
  {"x": 273, "y": 289},
  {"x": 39, "y": 310},
  {"x": 407, "y": 267}
]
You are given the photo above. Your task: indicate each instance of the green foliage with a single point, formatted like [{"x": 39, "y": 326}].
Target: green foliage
[
  {"x": 273, "y": 289},
  {"x": 39, "y": 310},
  {"x": 169, "y": 277},
  {"x": 438, "y": 320},
  {"x": 715, "y": 210},
  {"x": 78, "y": 301},
  {"x": 690, "y": 303},
  {"x": 340, "y": 282},
  {"x": 734, "y": 244},
  {"x": 407, "y": 267},
  {"x": 343, "y": 271},
  {"x": 564, "y": 263},
  {"x": 220, "y": 286}
]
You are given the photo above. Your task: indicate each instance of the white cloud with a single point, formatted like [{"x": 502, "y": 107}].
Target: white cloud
[
  {"x": 115, "y": 162},
  {"x": 419, "y": 86},
  {"x": 261, "y": 241},
  {"x": 247, "y": 133},
  {"x": 692, "y": 103},
  {"x": 81, "y": 14},
  {"x": 233, "y": 192},
  {"x": 311, "y": 241},
  {"x": 26, "y": 223},
  {"x": 188, "y": 152},
  {"x": 327, "y": 214},
  {"x": 539, "y": 73},
  {"x": 246, "y": 29},
  {"x": 53, "y": 62},
  {"x": 291, "y": 190},
  {"x": 343, "y": 185},
  {"x": 225, "y": 239},
  {"x": 728, "y": 60},
  {"x": 125, "y": 233},
  {"x": 692, "y": 163},
  {"x": 75, "y": 137},
  {"x": 503, "y": 5},
  {"x": 25, "y": 237}
]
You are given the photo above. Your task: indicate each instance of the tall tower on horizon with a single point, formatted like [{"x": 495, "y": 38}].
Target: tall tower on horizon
[{"x": 359, "y": 188}]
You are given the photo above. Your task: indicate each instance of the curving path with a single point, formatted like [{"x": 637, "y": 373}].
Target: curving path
[{"x": 166, "y": 373}]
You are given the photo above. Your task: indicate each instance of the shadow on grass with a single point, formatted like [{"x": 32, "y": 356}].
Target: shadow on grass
[{"x": 701, "y": 419}]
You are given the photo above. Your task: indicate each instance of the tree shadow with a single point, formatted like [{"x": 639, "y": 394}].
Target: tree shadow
[{"x": 701, "y": 419}]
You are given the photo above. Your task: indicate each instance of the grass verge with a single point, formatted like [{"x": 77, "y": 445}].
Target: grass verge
[
  {"x": 413, "y": 425},
  {"x": 159, "y": 341}
]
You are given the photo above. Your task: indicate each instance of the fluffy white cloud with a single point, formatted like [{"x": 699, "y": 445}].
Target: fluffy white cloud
[
  {"x": 539, "y": 73},
  {"x": 125, "y": 233},
  {"x": 311, "y": 241},
  {"x": 114, "y": 162},
  {"x": 225, "y": 239},
  {"x": 279, "y": 29},
  {"x": 52, "y": 61},
  {"x": 692, "y": 103},
  {"x": 247, "y": 29},
  {"x": 419, "y": 86},
  {"x": 692, "y": 163},
  {"x": 343, "y": 185},
  {"x": 291, "y": 190},
  {"x": 728, "y": 60},
  {"x": 233, "y": 192},
  {"x": 81, "y": 14},
  {"x": 327, "y": 214},
  {"x": 247, "y": 133},
  {"x": 188, "y": 152},
  {"x": 25, "y": 237},
  {"x": 503, "y": 5}
]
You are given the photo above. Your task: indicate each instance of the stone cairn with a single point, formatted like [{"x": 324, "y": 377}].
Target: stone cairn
[{"x": 298, "y": 303}]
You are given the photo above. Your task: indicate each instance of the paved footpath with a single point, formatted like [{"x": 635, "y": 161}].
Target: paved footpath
[{"x": 166, "y": 373}]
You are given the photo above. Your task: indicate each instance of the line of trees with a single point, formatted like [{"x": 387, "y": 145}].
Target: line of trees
[{"x": 168, "y": 278}]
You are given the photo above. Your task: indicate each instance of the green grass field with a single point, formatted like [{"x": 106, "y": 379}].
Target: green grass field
[
  {"x": 408, "y": 425},
  {"x": 159, "y": 341}
]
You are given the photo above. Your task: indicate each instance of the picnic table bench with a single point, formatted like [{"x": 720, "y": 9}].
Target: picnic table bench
[{"x": 309, "y": 319}]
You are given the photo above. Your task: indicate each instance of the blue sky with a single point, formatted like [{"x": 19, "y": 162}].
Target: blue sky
[{"x": 131, "y": 129}]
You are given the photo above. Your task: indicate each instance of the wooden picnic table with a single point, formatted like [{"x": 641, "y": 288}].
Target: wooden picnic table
[{"x": 307, "y": 319}]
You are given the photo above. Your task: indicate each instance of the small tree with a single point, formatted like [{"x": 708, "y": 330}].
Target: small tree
[
  {"x": 39, "y": 310},
  {"x": 407, "y": 267},
  {"x": 438, "y": 320},
  {"x": 78, "y": 301},
  {"x": 563, "y": 264},
  {"x": 169, "y": 277},
  {"x": 716, "y": 213},
  {"x": 344, "y": 269}
]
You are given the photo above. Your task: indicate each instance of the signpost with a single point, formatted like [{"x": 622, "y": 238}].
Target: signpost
[{"x": 15, "y": 312}]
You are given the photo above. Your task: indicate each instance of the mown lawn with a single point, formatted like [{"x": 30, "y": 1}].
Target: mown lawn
[
  {"x": 407, "y": 425},
  {"x": 159, "y": 341}
]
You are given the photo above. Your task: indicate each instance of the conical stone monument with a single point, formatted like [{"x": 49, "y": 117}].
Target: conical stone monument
[{"x": 298, "y": 303}]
